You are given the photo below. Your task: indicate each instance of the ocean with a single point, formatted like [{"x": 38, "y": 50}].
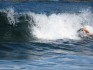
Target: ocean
[{"x": 43, "y": 35}]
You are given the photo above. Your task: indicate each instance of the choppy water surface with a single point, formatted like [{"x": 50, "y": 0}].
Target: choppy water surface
[{"x": 43, "y": 36}]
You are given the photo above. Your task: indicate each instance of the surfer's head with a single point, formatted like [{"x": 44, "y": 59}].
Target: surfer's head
[{"x": 88, "y": 30}]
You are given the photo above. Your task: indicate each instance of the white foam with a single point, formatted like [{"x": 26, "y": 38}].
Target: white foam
[
  {"x": 59, "y": 26},
  {"x": 10, "y": 15}
]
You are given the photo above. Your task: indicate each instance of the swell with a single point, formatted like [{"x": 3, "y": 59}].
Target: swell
[{"x": 35, "y": 50}]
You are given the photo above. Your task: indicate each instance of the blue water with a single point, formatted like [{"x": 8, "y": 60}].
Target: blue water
[{"x": 23, "y": 47}]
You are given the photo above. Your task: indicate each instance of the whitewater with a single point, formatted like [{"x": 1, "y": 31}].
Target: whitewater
[{"x": 60, "y": 26}]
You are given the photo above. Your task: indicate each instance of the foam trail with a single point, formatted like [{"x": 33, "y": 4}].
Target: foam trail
[{"x": 59, "y": 26}]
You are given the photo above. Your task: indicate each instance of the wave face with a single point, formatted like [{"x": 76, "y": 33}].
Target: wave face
[
  {"x": 29, "y": 25},
  {"x": 14, "y": 26}
]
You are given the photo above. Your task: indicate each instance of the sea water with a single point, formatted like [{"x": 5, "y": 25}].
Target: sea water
[{"x": 43, "y": 36}]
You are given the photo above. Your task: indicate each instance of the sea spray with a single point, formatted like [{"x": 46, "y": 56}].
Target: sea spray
[{"x": 10, "y": 16}]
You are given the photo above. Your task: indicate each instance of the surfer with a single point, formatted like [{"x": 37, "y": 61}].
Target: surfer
[{"x": 86, "y": 31}]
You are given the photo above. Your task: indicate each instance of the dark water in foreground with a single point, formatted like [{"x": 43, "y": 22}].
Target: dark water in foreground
[
  {"x": 43, "y": 56},
  {"x": 43, "y": 36}
]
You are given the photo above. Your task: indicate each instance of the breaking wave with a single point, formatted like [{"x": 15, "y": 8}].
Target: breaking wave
[{"x": 30, "y": 26}]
